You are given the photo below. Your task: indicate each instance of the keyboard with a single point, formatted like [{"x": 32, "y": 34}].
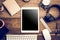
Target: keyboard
[{"x": 21, "y": 37}]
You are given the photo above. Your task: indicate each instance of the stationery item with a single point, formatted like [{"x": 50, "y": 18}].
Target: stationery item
[
  {"x": 3, "y": 29},
  {"x": 46, "y": 34},
  {"x": 11, "y": 6},
  {"x": 45, "y": 25}
]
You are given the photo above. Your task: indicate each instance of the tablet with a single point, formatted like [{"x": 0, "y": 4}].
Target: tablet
[{"x": 29, "y": 20}]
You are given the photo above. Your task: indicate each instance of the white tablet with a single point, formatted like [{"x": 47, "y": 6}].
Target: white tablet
[{"x": 29, "y": 20}]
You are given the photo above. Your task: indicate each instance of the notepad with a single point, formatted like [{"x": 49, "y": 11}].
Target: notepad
[{"x": 11, "y": 6}]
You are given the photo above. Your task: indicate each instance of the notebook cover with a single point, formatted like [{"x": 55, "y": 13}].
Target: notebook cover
[{"x": 11, "y": 6}]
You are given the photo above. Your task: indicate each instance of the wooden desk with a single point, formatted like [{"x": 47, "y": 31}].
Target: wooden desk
[{"x": 14, "y": 22}]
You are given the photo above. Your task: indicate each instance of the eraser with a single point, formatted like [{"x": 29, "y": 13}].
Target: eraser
[
  {"x": 46, "y": 34},
  {"x": 45, "y": 25},
  {"x": 11, "y": 6}
]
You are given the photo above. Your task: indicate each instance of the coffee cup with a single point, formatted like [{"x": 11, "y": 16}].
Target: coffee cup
[
  {"x": 3, "y": 29},
  {"x": 1, "y": 23}
]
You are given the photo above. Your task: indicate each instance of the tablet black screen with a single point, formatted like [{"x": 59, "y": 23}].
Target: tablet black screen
[{"x": 29, "y": 19}]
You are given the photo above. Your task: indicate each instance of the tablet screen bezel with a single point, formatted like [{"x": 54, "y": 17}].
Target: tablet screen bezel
[{"x": 28, "y": 31}]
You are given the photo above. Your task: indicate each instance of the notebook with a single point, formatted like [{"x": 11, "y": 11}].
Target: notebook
[{"x": 11, "y": 6}]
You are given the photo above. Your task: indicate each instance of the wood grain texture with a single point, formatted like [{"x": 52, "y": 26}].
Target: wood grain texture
[
  {"x": 32, "y": 3},
  {"x": 13, "y": 22}
]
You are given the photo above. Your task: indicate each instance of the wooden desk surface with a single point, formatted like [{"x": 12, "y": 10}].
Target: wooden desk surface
[
  {"x": 32, "y": 3},
  {"x": 14, "y": 22}
]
